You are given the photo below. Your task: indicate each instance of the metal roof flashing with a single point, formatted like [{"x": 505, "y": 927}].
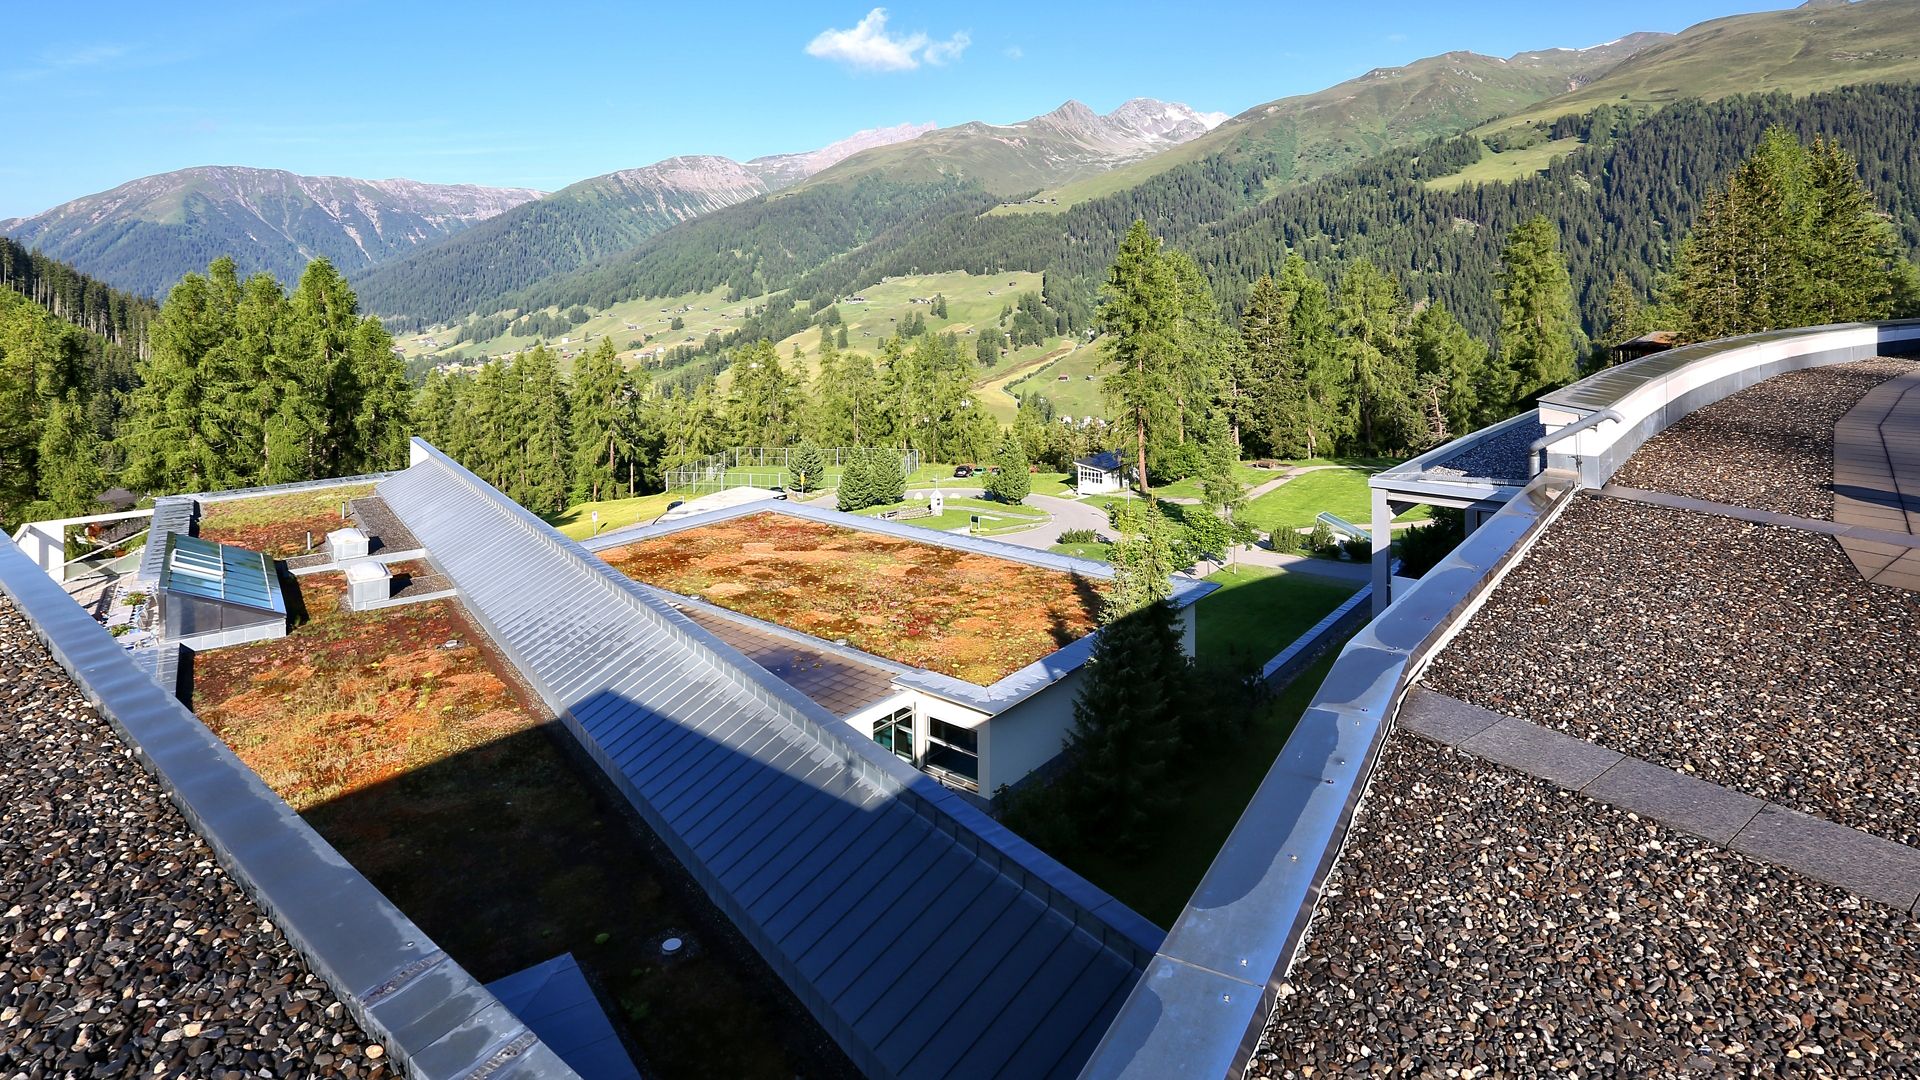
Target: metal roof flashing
[{"x": 723, "y": 759}]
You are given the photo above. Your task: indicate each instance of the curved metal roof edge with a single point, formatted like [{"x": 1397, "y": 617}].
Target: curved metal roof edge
[
  {"x": 1202, "y": 1005},
  {"x": 426, "y": 1009},
  {"x": 1609, "y": 386},
  {"x": 1140, "y": 937},
  {"x": 1415, "y": 468}
]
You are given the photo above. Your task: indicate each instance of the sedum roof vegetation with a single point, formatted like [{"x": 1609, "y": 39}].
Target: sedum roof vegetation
[
  {"x": 278, "y": 524},
  {"x": 972, "y": 616}
]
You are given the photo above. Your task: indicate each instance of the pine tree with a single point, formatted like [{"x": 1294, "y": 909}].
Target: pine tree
[
  {"x": 1537, "y": 324},
  {"x": 538, "y": 480}
]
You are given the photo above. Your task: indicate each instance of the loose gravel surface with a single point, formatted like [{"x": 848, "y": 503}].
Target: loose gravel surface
[
  {"x": 1769, "y": 447},
  {"x": 1505, "y": 456},
  {"x": 1484, "y": 923},
  {"x": 1751, "y": 656},
  {"x": 129, "y": 952}
]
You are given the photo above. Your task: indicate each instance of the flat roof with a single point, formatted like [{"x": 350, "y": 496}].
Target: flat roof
[
  {"x": 971, "y": 615},
  {"x": 836, "y": 681}
]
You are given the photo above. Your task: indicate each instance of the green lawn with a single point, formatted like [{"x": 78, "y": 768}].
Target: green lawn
[
  {"x": 577, "y": 521},
  {"x": 1096, "y": 552},
  {"x": 959, "y": 513},
  {"x": 1158, "y": 881},
  {"x": 1294, "y": 504},
  {"x": 1249, "y": 475},
  {"x": 1258, "y": 611}
]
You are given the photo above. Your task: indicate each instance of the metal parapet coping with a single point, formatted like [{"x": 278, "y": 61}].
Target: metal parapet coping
[
  {"x": 1202, "y": 1006},
  {"x": 433, "y": 1017}
]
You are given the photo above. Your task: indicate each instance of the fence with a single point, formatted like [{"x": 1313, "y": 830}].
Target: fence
[{"x": 759, "y": 466}]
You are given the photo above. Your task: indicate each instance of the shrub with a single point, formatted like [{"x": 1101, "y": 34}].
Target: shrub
[
  {"x": 1357, "y": 550},
  {"x": 1321, "y": 540},
  {"x": 119, "y": 629},
  {"x": 1286, "y": 541},
  {"x": 1421, "y": 548},
  {"x": 1079, "y": 536},
  {"x": 134, "y": 599}
]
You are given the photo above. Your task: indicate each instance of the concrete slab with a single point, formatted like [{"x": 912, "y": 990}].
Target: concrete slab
[
  {"x": 1442, "y": 718},
  {"x": 1875, "y": 868},
  {"x": 1542, "y": 752},
  {"x": 1684, "y": 802}
]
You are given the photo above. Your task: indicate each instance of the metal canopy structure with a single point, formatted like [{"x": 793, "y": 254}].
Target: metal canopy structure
[{"x": 925, "y": 938}]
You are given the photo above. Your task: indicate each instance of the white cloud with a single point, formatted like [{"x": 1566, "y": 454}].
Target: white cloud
[
  {"x": 1014, "y": 52},
  {"x": 868, "y": 47}
]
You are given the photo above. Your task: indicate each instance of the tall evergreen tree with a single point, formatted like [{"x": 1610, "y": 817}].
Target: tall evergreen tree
[
  {"x": 1012, "y": 483},
  {"x": 1443, "y": 349},
  {"x": 543, "y": 450},
  {"x": 595, "y": 405},
  {"x": 806, "y": 468},
  {"x": 1369, "y": 314},
  {"x": 1538, "y": 330},
  {"x": 1140, "y": 314},
  {"x": 1128, "y": 715}
]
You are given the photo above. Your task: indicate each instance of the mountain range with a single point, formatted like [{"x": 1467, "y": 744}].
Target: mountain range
[{"x": 143, "y": 235}]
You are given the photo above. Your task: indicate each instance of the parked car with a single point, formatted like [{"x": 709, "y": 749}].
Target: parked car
[{"x": 961, "y": 472}]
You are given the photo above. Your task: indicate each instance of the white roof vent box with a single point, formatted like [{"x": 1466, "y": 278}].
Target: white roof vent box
[
  {"x": 348, "y": 543},
  {"x": 368, "y": 582}
]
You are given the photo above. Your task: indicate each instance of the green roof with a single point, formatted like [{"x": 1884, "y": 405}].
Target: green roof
[{"x": 210, "y": 571}]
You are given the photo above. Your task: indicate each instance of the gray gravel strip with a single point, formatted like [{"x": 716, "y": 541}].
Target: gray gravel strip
[
  {"x": 128, "y": 950},
  {"x": 1827, "y": 851},
  {"x": 1506, "y": 455},
  {"x": 1750, "y": 656},
  {"x": 1482, "y": 922},
  {"x": 1769, "y": 446}
]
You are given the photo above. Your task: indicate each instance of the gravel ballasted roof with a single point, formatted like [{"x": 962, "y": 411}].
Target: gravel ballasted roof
[
  {"x": 1751, "y": 656},
  {"x": 129, "y": 950},
  {"x": 1483, "y": 919},
  {"x": 1769, "y": 447}
]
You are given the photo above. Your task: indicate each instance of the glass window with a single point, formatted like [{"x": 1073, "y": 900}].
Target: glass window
[
  {"x": 895, "y": 732},
  {"x": 954, "y": 750}
]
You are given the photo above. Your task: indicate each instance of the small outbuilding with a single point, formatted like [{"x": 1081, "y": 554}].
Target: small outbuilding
[
  {"x": 210, "y": 594},
  {"x": 1645, "y": 345},
  {"x": 1100, "y": 474}
]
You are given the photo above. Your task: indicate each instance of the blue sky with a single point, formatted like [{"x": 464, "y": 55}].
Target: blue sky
[{"x": 540, "y": 95}]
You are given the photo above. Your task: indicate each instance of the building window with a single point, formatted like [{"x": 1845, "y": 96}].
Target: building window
[
  {"x": 954, "y": 752},
  {"x": 895, "y": 732}
]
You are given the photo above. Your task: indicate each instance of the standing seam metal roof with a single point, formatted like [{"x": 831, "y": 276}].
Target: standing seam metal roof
[{"x": 811, "y": 839}]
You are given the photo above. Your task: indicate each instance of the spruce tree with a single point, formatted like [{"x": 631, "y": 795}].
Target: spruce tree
[
  {"x": 1370, "y": 314},
  {"x": 1140, "y": 316},
  {"x": 1128, "y": 716},
  {"x": 540, "y": 482},
  {"x": 806, "y": 467},
  {"x": 1445, "y": 352},
  {"x": 595, "y": 404},
  {"x": 1537, "y": 324},
  {"x": 856, "y": 491},
  {"x": 888, "y": 473},
  {"x": 1012, "y": 483}
]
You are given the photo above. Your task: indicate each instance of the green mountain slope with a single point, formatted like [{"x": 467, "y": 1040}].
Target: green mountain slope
[
  {"x": 1314, "y": 134},
  {"x": 1815, "y": 47}
]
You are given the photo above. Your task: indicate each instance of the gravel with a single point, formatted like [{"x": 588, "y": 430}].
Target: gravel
[
  {"x": 1506, "y": 455},
  {"x": 1769, "y": 447},
  {"x": 1484, "y": 923},
  {"x": 128, "y": 950},
  {"x": 1751, "y": 656}
]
